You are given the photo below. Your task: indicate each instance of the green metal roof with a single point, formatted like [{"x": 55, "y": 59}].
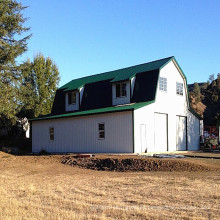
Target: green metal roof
[
  {"x": 113, "y": 76},
  {"x": 116, "y": 75},
  {"x": 118, "y": 108}
]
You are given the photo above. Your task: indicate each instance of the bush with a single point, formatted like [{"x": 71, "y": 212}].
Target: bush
[
  {"x": 23, "y": 144},
  {"x": 44, "y": 152}
]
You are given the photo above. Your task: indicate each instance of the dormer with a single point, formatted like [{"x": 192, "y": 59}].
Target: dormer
[
  {"x": 72, "y": 100},
  {"x": 121, "y": 93}
]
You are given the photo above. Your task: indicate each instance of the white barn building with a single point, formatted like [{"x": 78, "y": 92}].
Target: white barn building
[{"x": 143, "y": 108}]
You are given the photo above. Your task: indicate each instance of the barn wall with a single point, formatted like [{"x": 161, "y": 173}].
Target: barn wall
[
  {"x": 193, "y": 132},
  {"x": 171, "y": 103},
  {"x": 80, "y": 134},
  {"x": 166, "y": 103},
  {"x": 143, "y": 117}
]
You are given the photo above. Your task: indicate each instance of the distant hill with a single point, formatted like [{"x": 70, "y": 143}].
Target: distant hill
[{"x": 209, "y": 104}]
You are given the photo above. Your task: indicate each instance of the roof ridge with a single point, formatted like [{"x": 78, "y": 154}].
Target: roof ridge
[
  {"x": 112, "y": 72},
  {"x": 137, "y": 65}
]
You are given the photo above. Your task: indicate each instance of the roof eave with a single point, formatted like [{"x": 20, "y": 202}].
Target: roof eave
[
  {"x": 195, "y": 113},
  {"x": 98, "y": 111}
]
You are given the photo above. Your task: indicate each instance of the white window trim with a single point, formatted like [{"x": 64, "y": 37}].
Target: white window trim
[
  {"x": 74, "y": 103},
  {"x": 99, "y": 138},
  {"x": 162, "y": 90},
  {"x": 178, "y": 94},
  {"x": 51, "y": 133},
  {"x": 121, "y": 96}
]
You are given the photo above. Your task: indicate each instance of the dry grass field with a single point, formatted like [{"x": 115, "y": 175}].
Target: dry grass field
[{"x": 40, "y": 187}]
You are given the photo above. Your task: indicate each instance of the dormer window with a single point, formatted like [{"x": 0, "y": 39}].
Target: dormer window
[
  {"x": 163, "y": 84},
  {"x": 71, "y": 98},
  {"x": 121, "y": 90}
]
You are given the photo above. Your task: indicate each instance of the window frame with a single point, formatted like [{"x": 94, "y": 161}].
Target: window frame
[
  {"x": 122, "y": 92},
  {"x": 179, "y": 89},
  {"x": 101, "y": 131},
  {"x": 69, "y": 98},
  {"x": 51, "y": 133},
  {"x": 163, "y": 84}
]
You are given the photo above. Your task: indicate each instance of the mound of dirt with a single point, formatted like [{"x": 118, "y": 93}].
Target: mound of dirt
[{"x": 133, "y": 164}]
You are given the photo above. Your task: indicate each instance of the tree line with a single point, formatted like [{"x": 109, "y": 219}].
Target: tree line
[
  {"x": 212, "y": 84},
  {"x": 27, "y": 89}
]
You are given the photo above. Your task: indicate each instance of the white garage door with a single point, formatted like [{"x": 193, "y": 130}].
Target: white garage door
[
  {"x": 180, "y": 133},
  {"x": 160, "y": 137}
]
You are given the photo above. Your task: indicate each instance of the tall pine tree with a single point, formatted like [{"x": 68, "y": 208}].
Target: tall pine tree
[
  {"x": 12, "y": 45},
  {"x": 196, "y": 90}
]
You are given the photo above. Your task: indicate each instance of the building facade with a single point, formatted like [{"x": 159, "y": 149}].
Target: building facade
[{"x": 143, "y": 108}]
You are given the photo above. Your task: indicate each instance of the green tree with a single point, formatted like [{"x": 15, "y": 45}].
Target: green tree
[
  {"x": 27, "y": 90},
  {"x": 12, "y": 44},
  {"x": 40, "y": 81},
  {"x": 196, "y": 90},
  {"x": 205, "y": 86},
  {"x": 218, "y": 82},
  {"x": 214, "y": 97},
  {"x": 213, "y": 84}
]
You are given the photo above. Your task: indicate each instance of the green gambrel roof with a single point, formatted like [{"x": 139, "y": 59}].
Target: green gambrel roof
[
  {"x": 116, "y": 75},
  {"x": 128, "y": 107}
]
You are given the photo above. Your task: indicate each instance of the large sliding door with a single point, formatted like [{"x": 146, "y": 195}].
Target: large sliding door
[
  {"x": 160, "y": 132},
  {"x": 181, "y": 134}
]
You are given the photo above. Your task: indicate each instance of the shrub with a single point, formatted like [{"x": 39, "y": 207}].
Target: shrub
[{"x": 44, "y": 152}]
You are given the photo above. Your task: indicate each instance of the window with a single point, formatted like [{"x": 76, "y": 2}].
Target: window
[
  {"x": 101, "y": 130},
  {"x": 121, "y": 90},
  {"x": 51, "y": 132},
  {"x": 163, "y": 84},
  {"x": 179, "y": 88},
  {"x": 71, "y": 98}
]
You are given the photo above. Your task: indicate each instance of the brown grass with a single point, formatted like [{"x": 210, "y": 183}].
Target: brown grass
[{"x": 40, "y": 187}]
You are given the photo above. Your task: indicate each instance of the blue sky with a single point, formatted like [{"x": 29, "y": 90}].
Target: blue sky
[{"x": 86, "y": 37}]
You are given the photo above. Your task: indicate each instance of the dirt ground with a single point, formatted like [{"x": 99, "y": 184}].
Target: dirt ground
[{"x": 41, "y": 187}]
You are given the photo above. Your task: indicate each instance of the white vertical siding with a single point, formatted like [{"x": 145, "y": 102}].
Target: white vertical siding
[
  {"x": 171, "y": 104},
  {"x": 144, "y": 116},
  {"x": 193, "y": 132},
  {"x": 160, "y": 133},
  {"x": 72, "y": 107},
  {"x": 181, "y": 134},
  {"x": 120, "y": 100},
  {"x": 80, "y": 134}
]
